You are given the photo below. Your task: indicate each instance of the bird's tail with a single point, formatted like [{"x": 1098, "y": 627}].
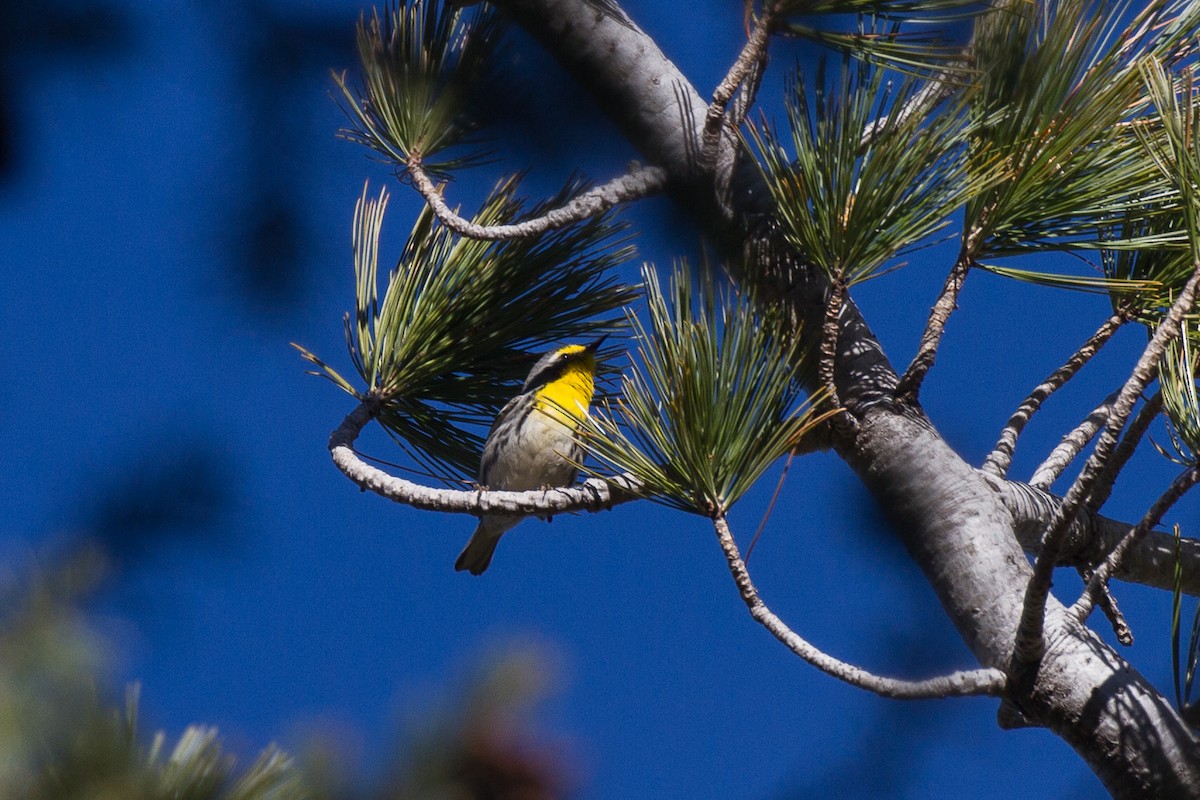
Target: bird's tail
[{"x": 477, "y": 555}]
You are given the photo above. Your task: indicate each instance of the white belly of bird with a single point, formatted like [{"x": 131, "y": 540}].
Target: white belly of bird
[{"x": 538, "y": 459}]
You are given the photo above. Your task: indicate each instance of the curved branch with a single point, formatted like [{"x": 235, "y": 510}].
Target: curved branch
[
  {"x": 986, "y": 681},
  {"x": 594, "y": 494},
  {"x": 640, "y": 183},
  {"x": 1000, "y": 458}
]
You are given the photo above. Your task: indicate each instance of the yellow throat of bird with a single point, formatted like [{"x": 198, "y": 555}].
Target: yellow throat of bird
[{"x": 567, "y": 397}]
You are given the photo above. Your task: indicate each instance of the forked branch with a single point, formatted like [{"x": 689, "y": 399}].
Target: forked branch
[
  {"x": 1030, "y": 643},
  {"x": 985, "y": 681}
]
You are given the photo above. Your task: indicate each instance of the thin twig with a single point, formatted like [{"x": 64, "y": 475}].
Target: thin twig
[
  {"x": 910, "y": 382},
  {"x": 594, "y": 494},
  {"x": 1108, "y": 604},
  {"x": 640, "y": 183},
  {"x": 1182, "y": 483},
  {"x": 751, "y": 58},
  {"x": 985, "y": 681},
  {"x": 1030, "y": 643},
  {"x": 1000, "y": 459},
  {"x": 1072, "y": 444},
  {"x": 1125, "y": 450}
]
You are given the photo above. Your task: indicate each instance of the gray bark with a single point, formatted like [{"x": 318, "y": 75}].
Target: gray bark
[{"x": 956, "y": 525}]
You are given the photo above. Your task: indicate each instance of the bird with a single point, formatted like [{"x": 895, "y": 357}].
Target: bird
[{"x": 533, "y": 444}]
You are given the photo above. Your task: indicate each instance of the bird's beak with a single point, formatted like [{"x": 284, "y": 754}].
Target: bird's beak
[{"x": 594, "y": 346}]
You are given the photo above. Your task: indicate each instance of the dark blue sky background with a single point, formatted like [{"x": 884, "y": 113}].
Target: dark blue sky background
[{"x": 175, "y": 209}]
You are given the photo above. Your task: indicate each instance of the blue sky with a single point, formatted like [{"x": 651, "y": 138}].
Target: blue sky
[{"x": 277, "y": 602}]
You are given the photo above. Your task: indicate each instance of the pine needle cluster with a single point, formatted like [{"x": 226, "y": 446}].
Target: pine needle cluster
[{"x": 710, "y": 403}]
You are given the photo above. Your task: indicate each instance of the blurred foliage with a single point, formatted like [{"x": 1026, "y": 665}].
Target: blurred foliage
[
  {"x": 482, "y": 746},
  {"x": 33, "y": 34},
  {"x": 63, "y": 738}
]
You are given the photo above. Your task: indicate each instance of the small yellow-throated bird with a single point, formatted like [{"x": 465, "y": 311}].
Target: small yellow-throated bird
[{"x": 532, "y": 443}]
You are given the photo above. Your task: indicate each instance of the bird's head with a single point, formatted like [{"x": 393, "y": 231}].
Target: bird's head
[{"x": 558, "y": 363}]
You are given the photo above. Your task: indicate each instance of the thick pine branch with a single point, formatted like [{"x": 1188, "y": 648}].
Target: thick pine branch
[{"x": 1091, "y": 537}]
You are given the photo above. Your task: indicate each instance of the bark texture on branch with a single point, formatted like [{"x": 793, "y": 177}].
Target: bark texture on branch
[{"x": 951, "y": 518}]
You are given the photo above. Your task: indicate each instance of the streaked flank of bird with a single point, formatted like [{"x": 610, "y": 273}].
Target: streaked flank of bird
[{"x": 533, "y": 443}]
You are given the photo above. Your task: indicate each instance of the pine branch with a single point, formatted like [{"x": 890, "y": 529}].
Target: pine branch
[
  {"x": 831, "y": 329},
  {"x": 999, "y": 460},
  {"x": 594, "y": 494},
  {"x": 1125, "y": 450},
  {"x": 1082, "y": 608},
  {"x": 1108, "y": 604},
  {"x": 969, "y": 683},
  {"x": 1030, "y": 643},
  {"x": 910, "y": 382},
  {"x": 1071, "y": 445},
  {"x": 1091, "y": 537},
  {"x": 749, "y": 60},
  {"x": 640, "y": 183}
]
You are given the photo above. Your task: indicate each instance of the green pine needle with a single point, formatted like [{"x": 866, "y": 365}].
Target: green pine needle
[
  {"x": 461, "y": 321},
  {"x": 1058, "y": 107},
  {"x": 711, "y": 403},
  {"x": 1108, "y": 285},
  {"x": 1173, "y": 144},
  {"x": 885, "y": 30},
  {"x": 421, "y": 61},
  {"x": 848, "y": 207},
  {"x": 1177, "y": 375}
]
